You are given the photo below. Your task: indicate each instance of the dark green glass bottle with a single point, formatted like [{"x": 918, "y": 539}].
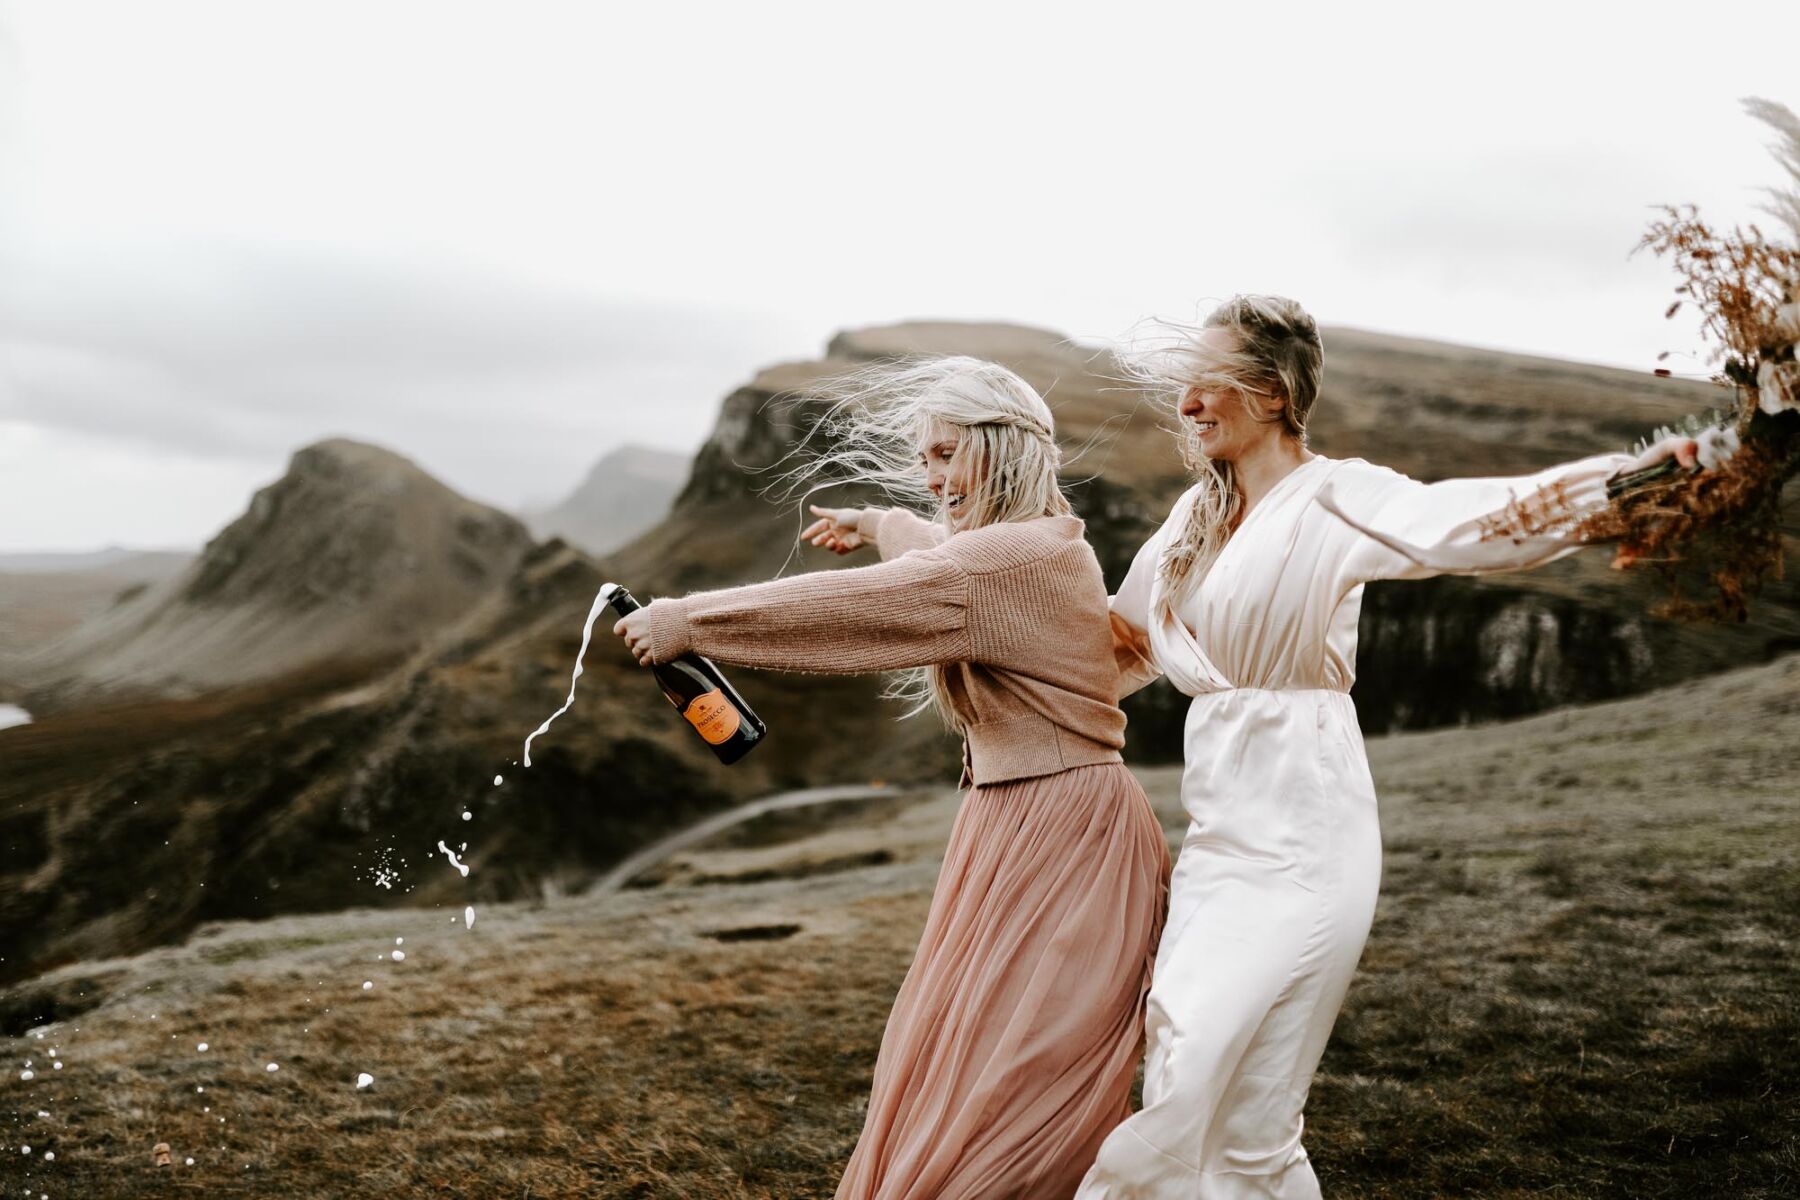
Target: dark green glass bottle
[{"x": 701, "y": 694}]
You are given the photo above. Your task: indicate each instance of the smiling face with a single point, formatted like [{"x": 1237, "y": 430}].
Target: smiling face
[
  {"x": 949, "y": 479},
  {"x": 1225, "y": 418}
]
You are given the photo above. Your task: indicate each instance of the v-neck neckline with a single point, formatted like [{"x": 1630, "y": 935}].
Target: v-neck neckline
[
  {"x": 1274, "y": 490},
  {"x": 1225, "y": 550}
]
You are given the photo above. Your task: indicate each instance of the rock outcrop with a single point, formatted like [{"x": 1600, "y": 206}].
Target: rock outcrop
[{"x": 355, "y": 555}]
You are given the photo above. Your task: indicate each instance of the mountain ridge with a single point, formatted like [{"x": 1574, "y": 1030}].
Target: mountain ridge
[
  {"x": 355, "y": 553},
  {"x": 626, "y": 492}
]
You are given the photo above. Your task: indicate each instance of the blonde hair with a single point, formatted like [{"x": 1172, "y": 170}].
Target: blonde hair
[
  {"x": 1275, "y": 351},
  {"x": 880, "y": 418}
]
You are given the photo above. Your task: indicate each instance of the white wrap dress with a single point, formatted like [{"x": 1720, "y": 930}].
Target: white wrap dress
[{"x": 1274, "y": 890}]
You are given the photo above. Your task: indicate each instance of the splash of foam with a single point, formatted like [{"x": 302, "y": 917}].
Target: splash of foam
[
  {"x": 587, "y": 631},
  {"x": 454, "y": 861}
]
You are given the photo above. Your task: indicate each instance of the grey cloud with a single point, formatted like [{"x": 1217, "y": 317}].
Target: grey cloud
[
  {"x": 1518, "y": 216},
  {"x": 504, "y": 384}
]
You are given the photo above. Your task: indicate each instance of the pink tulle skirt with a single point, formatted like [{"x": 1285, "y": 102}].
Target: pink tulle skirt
[{"x": 1014, "y": 1038}]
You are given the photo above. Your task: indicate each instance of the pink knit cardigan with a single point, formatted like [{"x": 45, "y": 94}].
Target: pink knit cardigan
[{"x": 1016, "y": 612}]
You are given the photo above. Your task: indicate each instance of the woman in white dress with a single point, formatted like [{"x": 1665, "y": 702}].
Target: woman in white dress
[{"x": 1247, "y": 600}]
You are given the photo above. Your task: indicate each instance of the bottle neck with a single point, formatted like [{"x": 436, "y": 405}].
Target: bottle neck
[{"x": 621, "y": 601}]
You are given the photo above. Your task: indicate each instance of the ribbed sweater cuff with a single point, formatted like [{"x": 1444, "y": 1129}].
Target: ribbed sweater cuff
[
  {"x": 893, "y": 531},
  {"x": 671, "y": 635}
]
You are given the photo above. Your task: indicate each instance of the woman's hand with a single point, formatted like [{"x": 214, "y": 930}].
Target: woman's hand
[
  {"x": 835, "y": 529},
  {"x": 1684, "y": 450},
  {"x": 635, "y": 629}
]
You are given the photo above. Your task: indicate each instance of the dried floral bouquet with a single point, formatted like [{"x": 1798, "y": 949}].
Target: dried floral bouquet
[{"x": 1721, "y": 521}]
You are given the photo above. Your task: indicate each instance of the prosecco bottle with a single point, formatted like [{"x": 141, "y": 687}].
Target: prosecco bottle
[{"x": 701, "y": 694}]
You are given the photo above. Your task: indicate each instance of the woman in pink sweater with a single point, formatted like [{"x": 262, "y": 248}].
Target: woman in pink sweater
[{"x": 1010, "y": 1051}]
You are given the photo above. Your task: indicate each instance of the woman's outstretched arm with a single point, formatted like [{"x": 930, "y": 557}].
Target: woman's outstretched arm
[
  {"x": 898, "y": 531},
  {"x": 910, "y": 612},
  {"x": 1413, "y": 530},
  {"x": 892, "y": 531}
]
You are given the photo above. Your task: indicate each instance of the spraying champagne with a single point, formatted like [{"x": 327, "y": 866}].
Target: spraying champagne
[{"x": 700, "y": 693}]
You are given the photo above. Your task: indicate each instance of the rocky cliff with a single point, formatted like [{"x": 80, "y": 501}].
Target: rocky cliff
[{"x": 355, "y": 555}]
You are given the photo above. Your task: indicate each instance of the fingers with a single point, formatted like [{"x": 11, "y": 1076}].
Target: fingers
[
  {"x": 831, "y": 531},
  {"x": 1687, "y": 452},
  {"x": 637, "y": 641},
  {"x": 842, "y": 518}
]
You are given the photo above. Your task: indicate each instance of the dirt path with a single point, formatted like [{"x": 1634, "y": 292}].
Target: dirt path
[{"x": 655, "y": 853}]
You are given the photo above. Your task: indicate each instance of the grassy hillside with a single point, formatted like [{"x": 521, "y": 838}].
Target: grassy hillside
[
  {"x": 1580, "y": 981},
  {"x": 355, "y": 554},
  {"x": 45, "y": 597}
]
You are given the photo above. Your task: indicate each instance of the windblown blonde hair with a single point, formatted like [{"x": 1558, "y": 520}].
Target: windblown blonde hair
[
  {"x": 879, "y": 421},
  {"x": 1275, "y": 351}
]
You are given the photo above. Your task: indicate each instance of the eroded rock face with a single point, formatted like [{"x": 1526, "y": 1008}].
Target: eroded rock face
[
  {"x": 1451, "y": 652},
  {"x": 341, "y": 523},
  {"x": 759, "y": 425},
  {"x": 355, "y": 554}
]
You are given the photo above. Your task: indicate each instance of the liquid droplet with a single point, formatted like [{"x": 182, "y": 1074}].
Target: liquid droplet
[{"x": 454, "y": 861}]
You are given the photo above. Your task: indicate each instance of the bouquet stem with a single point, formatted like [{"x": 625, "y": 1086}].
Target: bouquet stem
[{"x": 1630, "y": 481}]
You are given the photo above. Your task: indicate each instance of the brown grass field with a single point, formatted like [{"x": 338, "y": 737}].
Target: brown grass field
[{"x": 1581, "y": 982}]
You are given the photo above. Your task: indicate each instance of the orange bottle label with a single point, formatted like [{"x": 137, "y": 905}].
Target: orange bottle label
[{"x": 714, "y": 716}]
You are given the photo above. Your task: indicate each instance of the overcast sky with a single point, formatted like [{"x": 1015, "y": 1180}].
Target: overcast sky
[{"x": 503, "y": 238}]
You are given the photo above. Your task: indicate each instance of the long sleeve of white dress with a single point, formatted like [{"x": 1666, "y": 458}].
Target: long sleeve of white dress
[
  {"x": 1413, "y": 530},
  {"x": 1130, "y": 616}
]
